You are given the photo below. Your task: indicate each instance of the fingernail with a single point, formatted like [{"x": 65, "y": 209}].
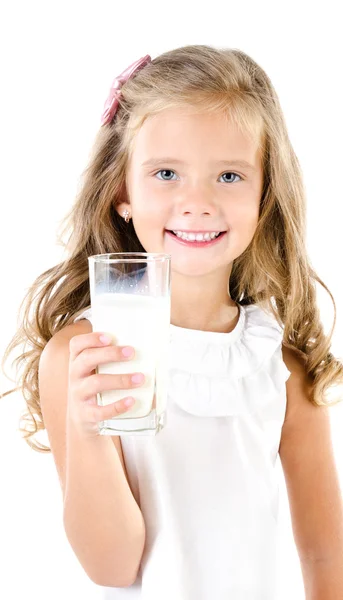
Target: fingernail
[
  {"x": 129, "y": 401},
  {"x": 104, "y": 339},
  {"x": 127, "y": 351},
  {"x": 137, "y": 378}
]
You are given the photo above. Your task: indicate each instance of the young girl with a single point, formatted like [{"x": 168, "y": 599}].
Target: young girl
[{"x": 193, "y": 159}]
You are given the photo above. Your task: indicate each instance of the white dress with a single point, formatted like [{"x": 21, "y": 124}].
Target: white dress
[{"x": 206, "y": 483}]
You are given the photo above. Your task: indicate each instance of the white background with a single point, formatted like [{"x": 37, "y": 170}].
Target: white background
[{"x": 58, "y": 61}]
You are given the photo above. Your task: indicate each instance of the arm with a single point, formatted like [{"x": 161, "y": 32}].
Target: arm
[
  {"x": 323, "y": 579},
  {"x": 313, "y": 486},
  {"x": 102, "y": 520}
]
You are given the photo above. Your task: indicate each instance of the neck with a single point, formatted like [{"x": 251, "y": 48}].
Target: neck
[{"x": 203, "y": 303}]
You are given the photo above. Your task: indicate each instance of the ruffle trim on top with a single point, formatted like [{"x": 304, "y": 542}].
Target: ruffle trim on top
[
  {"x": 225, "y": 374},
  {"x": 214, "y": 374}
]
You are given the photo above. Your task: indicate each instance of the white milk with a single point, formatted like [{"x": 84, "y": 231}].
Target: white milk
[{"x": 142, "y": 322}]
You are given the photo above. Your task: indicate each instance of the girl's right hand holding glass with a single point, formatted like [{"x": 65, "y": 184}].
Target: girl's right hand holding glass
[{"x": 86, "y": 352}]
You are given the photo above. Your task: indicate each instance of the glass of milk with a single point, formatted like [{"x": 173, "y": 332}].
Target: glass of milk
[{"x": 130, "y": 300}]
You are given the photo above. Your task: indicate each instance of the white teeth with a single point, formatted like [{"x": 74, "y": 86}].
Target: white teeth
[{"x": 198, "y": 237}]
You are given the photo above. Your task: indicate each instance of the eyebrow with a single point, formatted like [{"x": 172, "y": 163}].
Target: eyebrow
[{"x": 151, "y": 162}]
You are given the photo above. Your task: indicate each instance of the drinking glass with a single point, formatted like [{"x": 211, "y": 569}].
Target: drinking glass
[{"x": 130, "y": 301}]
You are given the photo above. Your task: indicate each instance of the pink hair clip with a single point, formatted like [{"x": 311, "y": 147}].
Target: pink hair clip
[{"x": 111, "y": 104}]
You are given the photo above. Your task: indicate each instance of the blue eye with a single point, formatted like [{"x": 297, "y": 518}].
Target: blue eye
[
  {"x": 170, "y": 171},
  {"x": 230, "y": 173},
  {"x": 165, "y": 171}
]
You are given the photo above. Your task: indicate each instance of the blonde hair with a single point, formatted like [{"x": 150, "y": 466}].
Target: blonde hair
[{"x": 274, "y": 271}]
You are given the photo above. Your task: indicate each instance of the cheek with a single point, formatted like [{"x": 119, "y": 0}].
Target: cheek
[
  {"x": 151, "y": 211},
  {"x": 153, "y": 219},
  {"x": 242, "y": 231},
  {"x": 149, "y": 225}
]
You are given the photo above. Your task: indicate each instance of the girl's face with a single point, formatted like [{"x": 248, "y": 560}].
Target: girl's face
[{"x": 184, "y": 176}]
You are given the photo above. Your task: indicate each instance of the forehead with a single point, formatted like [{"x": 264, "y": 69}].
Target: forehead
[{"x": 184, "y": 133}]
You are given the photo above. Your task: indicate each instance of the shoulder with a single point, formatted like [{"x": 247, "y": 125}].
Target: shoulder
[
  {"x": 57, "y": 348},
  {"x": 294, "y": 361},
  {"x": 64, "y": 335},
  {"x": 299, "y": 385},
  {"x": 81, "y": 326},
  {"x": 55, "y": 354}
]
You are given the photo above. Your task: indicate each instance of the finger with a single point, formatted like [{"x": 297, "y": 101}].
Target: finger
[
  {"x": 97, "y": 383},
  {"x": 96, "y": 413},
  {"x": 78, "y": 343},
  {"x": 90, "y": 358}
]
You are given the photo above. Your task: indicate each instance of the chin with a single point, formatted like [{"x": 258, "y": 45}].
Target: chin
[{"x": 190, "y": 269}]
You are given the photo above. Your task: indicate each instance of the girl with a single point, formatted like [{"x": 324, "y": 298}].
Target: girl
[{"x": 193, "y": 159}]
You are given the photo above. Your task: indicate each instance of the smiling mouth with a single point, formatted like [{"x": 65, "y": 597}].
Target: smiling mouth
[{"x": 196, "y": 243}]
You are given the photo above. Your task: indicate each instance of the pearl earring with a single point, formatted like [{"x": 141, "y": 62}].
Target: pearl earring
[{"x": 126, "y": 215}]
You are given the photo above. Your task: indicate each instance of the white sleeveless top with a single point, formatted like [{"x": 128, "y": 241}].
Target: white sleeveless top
[{"x": 206, "y": 483}]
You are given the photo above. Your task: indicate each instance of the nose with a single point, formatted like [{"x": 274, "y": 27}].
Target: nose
[{"x": 196, "y": 200}]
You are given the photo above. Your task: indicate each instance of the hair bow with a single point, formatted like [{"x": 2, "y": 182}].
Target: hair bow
[{"x": 111, "y": 104}]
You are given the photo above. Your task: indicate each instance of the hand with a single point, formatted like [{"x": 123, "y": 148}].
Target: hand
[{"x": 86, "y": 352}]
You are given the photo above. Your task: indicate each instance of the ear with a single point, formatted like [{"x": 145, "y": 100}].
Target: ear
[
  {"x": 124, "y": 204},
  {"x": 121, "y": 207}
]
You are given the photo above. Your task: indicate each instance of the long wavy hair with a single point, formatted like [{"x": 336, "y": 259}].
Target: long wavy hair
[{"x": 274, "y": 271}]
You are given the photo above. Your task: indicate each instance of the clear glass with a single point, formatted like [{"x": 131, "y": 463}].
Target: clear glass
[{"x": 130, "y": 300}]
